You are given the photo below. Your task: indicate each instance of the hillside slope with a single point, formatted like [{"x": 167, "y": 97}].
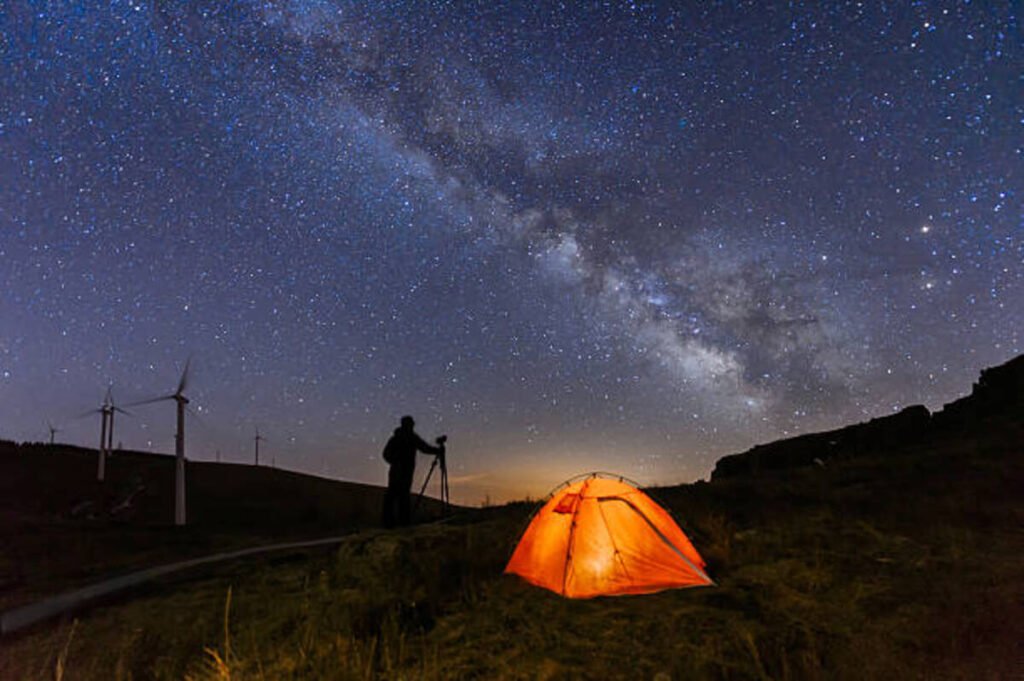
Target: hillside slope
[{"x": 60, "y": 528}]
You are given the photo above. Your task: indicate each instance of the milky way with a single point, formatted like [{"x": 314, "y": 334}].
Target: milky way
[{"x": 620, "y": 236}]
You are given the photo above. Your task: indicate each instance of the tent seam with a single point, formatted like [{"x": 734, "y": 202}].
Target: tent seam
[
  {"x": 572, "y": 536},
  {"x": 618, "y": 554}
]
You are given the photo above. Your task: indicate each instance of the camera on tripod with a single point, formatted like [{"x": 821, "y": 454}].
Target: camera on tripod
[{"x": 439, "y": 462}]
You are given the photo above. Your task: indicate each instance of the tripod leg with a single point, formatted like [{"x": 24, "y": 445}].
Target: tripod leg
[
  {"x": 424, "y": 487},
  {"x": 445, "y": 498}
]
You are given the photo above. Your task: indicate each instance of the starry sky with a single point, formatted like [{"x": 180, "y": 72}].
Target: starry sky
[{"x": 574, "y": 236}]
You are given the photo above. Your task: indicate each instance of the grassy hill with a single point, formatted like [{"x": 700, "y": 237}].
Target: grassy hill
[
  {"x": 60, "y": 528},
  {"x": 897, "y": 562}
]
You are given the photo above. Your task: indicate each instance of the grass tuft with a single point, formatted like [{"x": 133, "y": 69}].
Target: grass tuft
[{"x": 62, "y": 659}]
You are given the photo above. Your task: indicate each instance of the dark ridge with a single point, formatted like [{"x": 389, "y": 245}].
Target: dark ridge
[{"x": 996, "y": 403}]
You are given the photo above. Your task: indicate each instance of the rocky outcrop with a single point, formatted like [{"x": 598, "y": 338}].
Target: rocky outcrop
[
  {"x": 997, "y": 396},
  {"x": 886, "y": 432}
]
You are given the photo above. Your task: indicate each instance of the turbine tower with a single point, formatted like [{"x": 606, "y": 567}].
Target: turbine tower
[
  {"x": 112, "y": 409},
  {"x": 104, "y": 412},
  {"x": 257, "y": 441},
  {"x": 101, "y": 466},
  {"x": 179, "y": 444}
]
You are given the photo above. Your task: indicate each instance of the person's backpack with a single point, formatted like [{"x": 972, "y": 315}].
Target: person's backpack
[{"x": 391, "y": 449}]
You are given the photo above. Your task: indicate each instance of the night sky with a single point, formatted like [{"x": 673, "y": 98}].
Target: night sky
[{"x": 617, "y": 236}]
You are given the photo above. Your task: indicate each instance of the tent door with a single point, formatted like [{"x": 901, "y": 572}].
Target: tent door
[{"x": 656, "y": 531}]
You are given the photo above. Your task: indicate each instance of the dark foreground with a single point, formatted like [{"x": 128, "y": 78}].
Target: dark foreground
[{"x": 906, "y": 567}]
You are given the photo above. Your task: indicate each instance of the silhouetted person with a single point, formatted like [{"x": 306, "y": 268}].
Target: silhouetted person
[{"x": 400, "y": 453}]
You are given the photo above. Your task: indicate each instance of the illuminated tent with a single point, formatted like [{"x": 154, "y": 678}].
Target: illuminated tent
[{"x": 604, "y": 537}]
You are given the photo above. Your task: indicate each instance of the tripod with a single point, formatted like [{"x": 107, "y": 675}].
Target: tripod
[{"x": 445, "y": 503}]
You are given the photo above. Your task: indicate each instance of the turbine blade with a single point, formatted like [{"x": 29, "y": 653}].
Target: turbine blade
[
  {"x": 184, "y": 377},
  {"x": 88, "y": 413},
  {"x": 151, "y": 401},
  {"x": 122, "y": 411}
]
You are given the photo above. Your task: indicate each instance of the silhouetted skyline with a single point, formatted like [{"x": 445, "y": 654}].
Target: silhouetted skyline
[{"x": 632, "y": 238}]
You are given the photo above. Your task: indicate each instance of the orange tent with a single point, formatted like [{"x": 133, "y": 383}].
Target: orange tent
[{"x": 604, "y": 537}]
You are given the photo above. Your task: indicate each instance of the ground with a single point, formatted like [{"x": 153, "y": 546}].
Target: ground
[{"x": 890, "y": 565}]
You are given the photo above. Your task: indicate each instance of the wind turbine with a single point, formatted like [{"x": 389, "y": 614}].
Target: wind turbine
[
  {"x": 53, "y": 431},
  {"x": 179, "y": 443},
  {"x": 257, "y": 441}
]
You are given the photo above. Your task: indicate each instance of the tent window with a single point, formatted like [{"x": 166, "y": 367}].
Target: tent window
[{"x": 568, "y": 503}]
